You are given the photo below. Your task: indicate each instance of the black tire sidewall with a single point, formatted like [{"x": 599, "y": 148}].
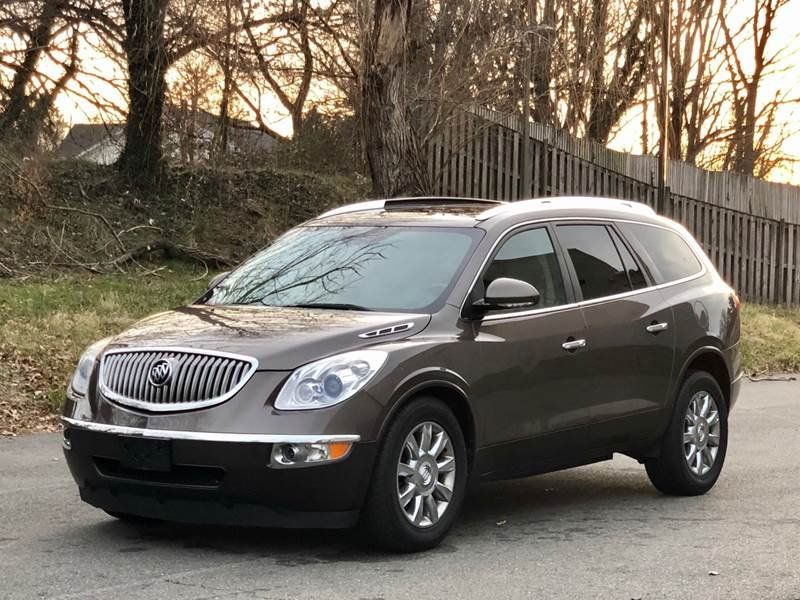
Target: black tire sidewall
[
  {"x": 696, "y": 382},
  {"x": 387, "y": 525}
]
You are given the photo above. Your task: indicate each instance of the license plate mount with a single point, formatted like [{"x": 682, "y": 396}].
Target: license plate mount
[{"x": 146, "y": 454}]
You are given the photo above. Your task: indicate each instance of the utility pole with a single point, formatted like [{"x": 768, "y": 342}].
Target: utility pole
[
  {"x": 524, "y": 139},
  {"x": 663, "y": 151},
  {"x": 526, "y": 158}
]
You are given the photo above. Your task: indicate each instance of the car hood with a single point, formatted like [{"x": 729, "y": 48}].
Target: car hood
[{"x": 280, "y": 338}]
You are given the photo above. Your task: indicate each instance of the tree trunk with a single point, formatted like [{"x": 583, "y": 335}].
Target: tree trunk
[
  {"x": 389, "y": 138},
  {"x": 141, "y": 158},
  {"x": 746, "y": 159}
]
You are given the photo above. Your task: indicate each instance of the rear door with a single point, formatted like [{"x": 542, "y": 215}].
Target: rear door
[{"x": 628, "y": 358}]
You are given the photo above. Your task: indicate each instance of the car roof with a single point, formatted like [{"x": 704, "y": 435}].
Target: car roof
[{"x": 478, "y": 212}]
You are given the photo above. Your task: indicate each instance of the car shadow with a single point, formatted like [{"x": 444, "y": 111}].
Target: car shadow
[{"x": 562, "y": 505}]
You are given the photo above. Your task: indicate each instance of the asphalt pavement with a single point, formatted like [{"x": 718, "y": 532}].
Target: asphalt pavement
[{"x": 595, "y": 532}]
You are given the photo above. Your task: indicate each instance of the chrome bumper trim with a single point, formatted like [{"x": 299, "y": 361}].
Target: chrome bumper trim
[{"x": 209, "y": 436}]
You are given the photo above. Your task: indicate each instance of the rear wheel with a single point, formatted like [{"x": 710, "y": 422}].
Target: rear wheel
[
  {"x": 419, "y": 481},
  {"x": 694, "y": 445}
]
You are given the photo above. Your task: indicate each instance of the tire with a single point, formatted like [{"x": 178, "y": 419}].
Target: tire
[
  {"x": 385, "y": 523},
  {"x": 671, "y": 473}
]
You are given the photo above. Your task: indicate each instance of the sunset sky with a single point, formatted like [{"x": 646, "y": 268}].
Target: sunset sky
[{"x": 77, "y": 110}]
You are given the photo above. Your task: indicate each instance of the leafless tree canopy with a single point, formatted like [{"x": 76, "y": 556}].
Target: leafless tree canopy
[{"x": 403, "y": 68}]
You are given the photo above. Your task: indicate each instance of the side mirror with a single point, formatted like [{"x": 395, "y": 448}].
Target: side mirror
[
  {"x": 217, "y": 279},
  {"x": 505, "y": 292}
]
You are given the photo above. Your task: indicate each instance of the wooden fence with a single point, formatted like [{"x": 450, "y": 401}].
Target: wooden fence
[{"x": 749, "y": 228}]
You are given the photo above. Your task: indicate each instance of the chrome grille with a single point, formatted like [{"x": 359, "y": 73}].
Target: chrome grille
[{"x": 196, "y": 378}]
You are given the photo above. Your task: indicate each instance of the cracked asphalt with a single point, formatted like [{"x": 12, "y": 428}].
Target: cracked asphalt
[{"x": 594, "y": 532}]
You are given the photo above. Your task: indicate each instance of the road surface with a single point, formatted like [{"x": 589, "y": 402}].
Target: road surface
[{"x": 595, "y": 532}]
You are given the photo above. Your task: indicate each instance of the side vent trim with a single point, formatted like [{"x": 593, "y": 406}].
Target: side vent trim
[{"x": 386, "y": 331}]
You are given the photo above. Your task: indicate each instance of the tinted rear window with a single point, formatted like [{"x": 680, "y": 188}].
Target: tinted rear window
[
  {"x": 666, "y": 251},
  {"x": 634, "y": 272}
]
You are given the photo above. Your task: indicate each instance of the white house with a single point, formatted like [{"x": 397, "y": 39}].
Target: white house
[{"x": 189, "y": 137}]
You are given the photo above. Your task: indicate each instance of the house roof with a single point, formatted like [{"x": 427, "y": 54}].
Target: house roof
[{"x": 84, "y": 136}]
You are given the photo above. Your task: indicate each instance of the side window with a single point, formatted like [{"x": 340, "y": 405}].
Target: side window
[
  {"x": 667, "y": 251},
  {"x": 635, "y": 274},
  {"x": 529, "y": 255},
  {"x": 596, "y": 260}
]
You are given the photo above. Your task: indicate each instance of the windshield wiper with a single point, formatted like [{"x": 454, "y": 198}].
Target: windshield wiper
[{"x": 331, "y": 305}]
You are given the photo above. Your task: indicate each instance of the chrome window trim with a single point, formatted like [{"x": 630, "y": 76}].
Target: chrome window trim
[
  {"x": 178, "y": 406},
  {"x": 208, "y": 436},
  {"x": 681, "y": 232}
]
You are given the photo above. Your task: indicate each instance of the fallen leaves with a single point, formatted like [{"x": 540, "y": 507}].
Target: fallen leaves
[{"x": 25, "y": 405}]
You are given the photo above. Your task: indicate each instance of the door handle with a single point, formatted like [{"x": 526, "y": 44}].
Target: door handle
[
  {"x": 657, "y": 327},
  {"x": 571, "y": 345}
]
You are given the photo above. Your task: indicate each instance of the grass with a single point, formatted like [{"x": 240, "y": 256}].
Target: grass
[
  {"x": 770, "y": 339},
  {"x": 46, "y": 323}
]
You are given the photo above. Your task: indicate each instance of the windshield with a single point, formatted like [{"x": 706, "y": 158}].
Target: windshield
[{"x": 393, "y": 269}]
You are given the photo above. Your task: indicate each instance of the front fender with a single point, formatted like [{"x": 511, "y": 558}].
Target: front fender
[{"x": 426, "y": 378}]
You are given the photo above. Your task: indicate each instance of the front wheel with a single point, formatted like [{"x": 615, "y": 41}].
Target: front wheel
[
  {"x": 419, "y": 480},
  {"x": 694, "y": 445}
]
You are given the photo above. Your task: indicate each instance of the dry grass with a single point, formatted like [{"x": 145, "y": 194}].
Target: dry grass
[
  {"x": 49, "y": 222},
  {"x": 46, "y": 324},
  {"x": 770, "y": 339}
]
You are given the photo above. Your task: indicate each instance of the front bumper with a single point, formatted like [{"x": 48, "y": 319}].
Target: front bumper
[{"x": 214, "y": 478}]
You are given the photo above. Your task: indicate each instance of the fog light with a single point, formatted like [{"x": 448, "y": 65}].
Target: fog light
[
  {"x": 66, "y": 442},
  {"x": 298, "y": 455}
]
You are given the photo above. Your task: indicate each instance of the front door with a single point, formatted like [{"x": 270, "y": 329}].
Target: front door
[{"x": 533, "y": 403}]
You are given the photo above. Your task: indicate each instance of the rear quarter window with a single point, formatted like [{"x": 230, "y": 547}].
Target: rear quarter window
[{"x": 667, "y": 252}]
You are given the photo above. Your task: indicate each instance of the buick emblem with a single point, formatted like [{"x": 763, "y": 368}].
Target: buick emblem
[{"x": 160, "y": 373}]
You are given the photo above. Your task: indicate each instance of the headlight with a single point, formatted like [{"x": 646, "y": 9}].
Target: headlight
[
  {"x": 329, "y": 381},
  {"x": 80, "y": 379}
]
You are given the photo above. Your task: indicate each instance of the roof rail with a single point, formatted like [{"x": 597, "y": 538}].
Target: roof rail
[
  {"x": 356, "y": 207},
  {"x": 406, "y": 202},
  {"x": 561, "y": 202}
]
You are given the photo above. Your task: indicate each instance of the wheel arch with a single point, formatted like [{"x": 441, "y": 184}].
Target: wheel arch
[
  {"x": 711, "y": 360},
  {"x": 445, "y": 385}
]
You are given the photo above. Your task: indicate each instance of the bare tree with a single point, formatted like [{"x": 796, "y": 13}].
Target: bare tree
[
  {"x": 697, "y": 103},
  {"x": 282, "y": 58},
  {"x": 754, "y": 119},
  {"x": 422, "y": 63},
  {"x": 41, "y": 58}
]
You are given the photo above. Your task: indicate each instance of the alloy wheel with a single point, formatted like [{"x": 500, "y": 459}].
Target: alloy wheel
[
  {"x": 701, "y": 433},
  {"x": 426, "y": 474}
]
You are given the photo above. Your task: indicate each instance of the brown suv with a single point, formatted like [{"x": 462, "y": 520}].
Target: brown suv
[{"x": 369, "y": 363}]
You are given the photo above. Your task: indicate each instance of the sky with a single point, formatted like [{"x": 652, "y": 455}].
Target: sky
[
  {"x": 784, "y": 39},
  {"x": 78, "y": 110}
]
